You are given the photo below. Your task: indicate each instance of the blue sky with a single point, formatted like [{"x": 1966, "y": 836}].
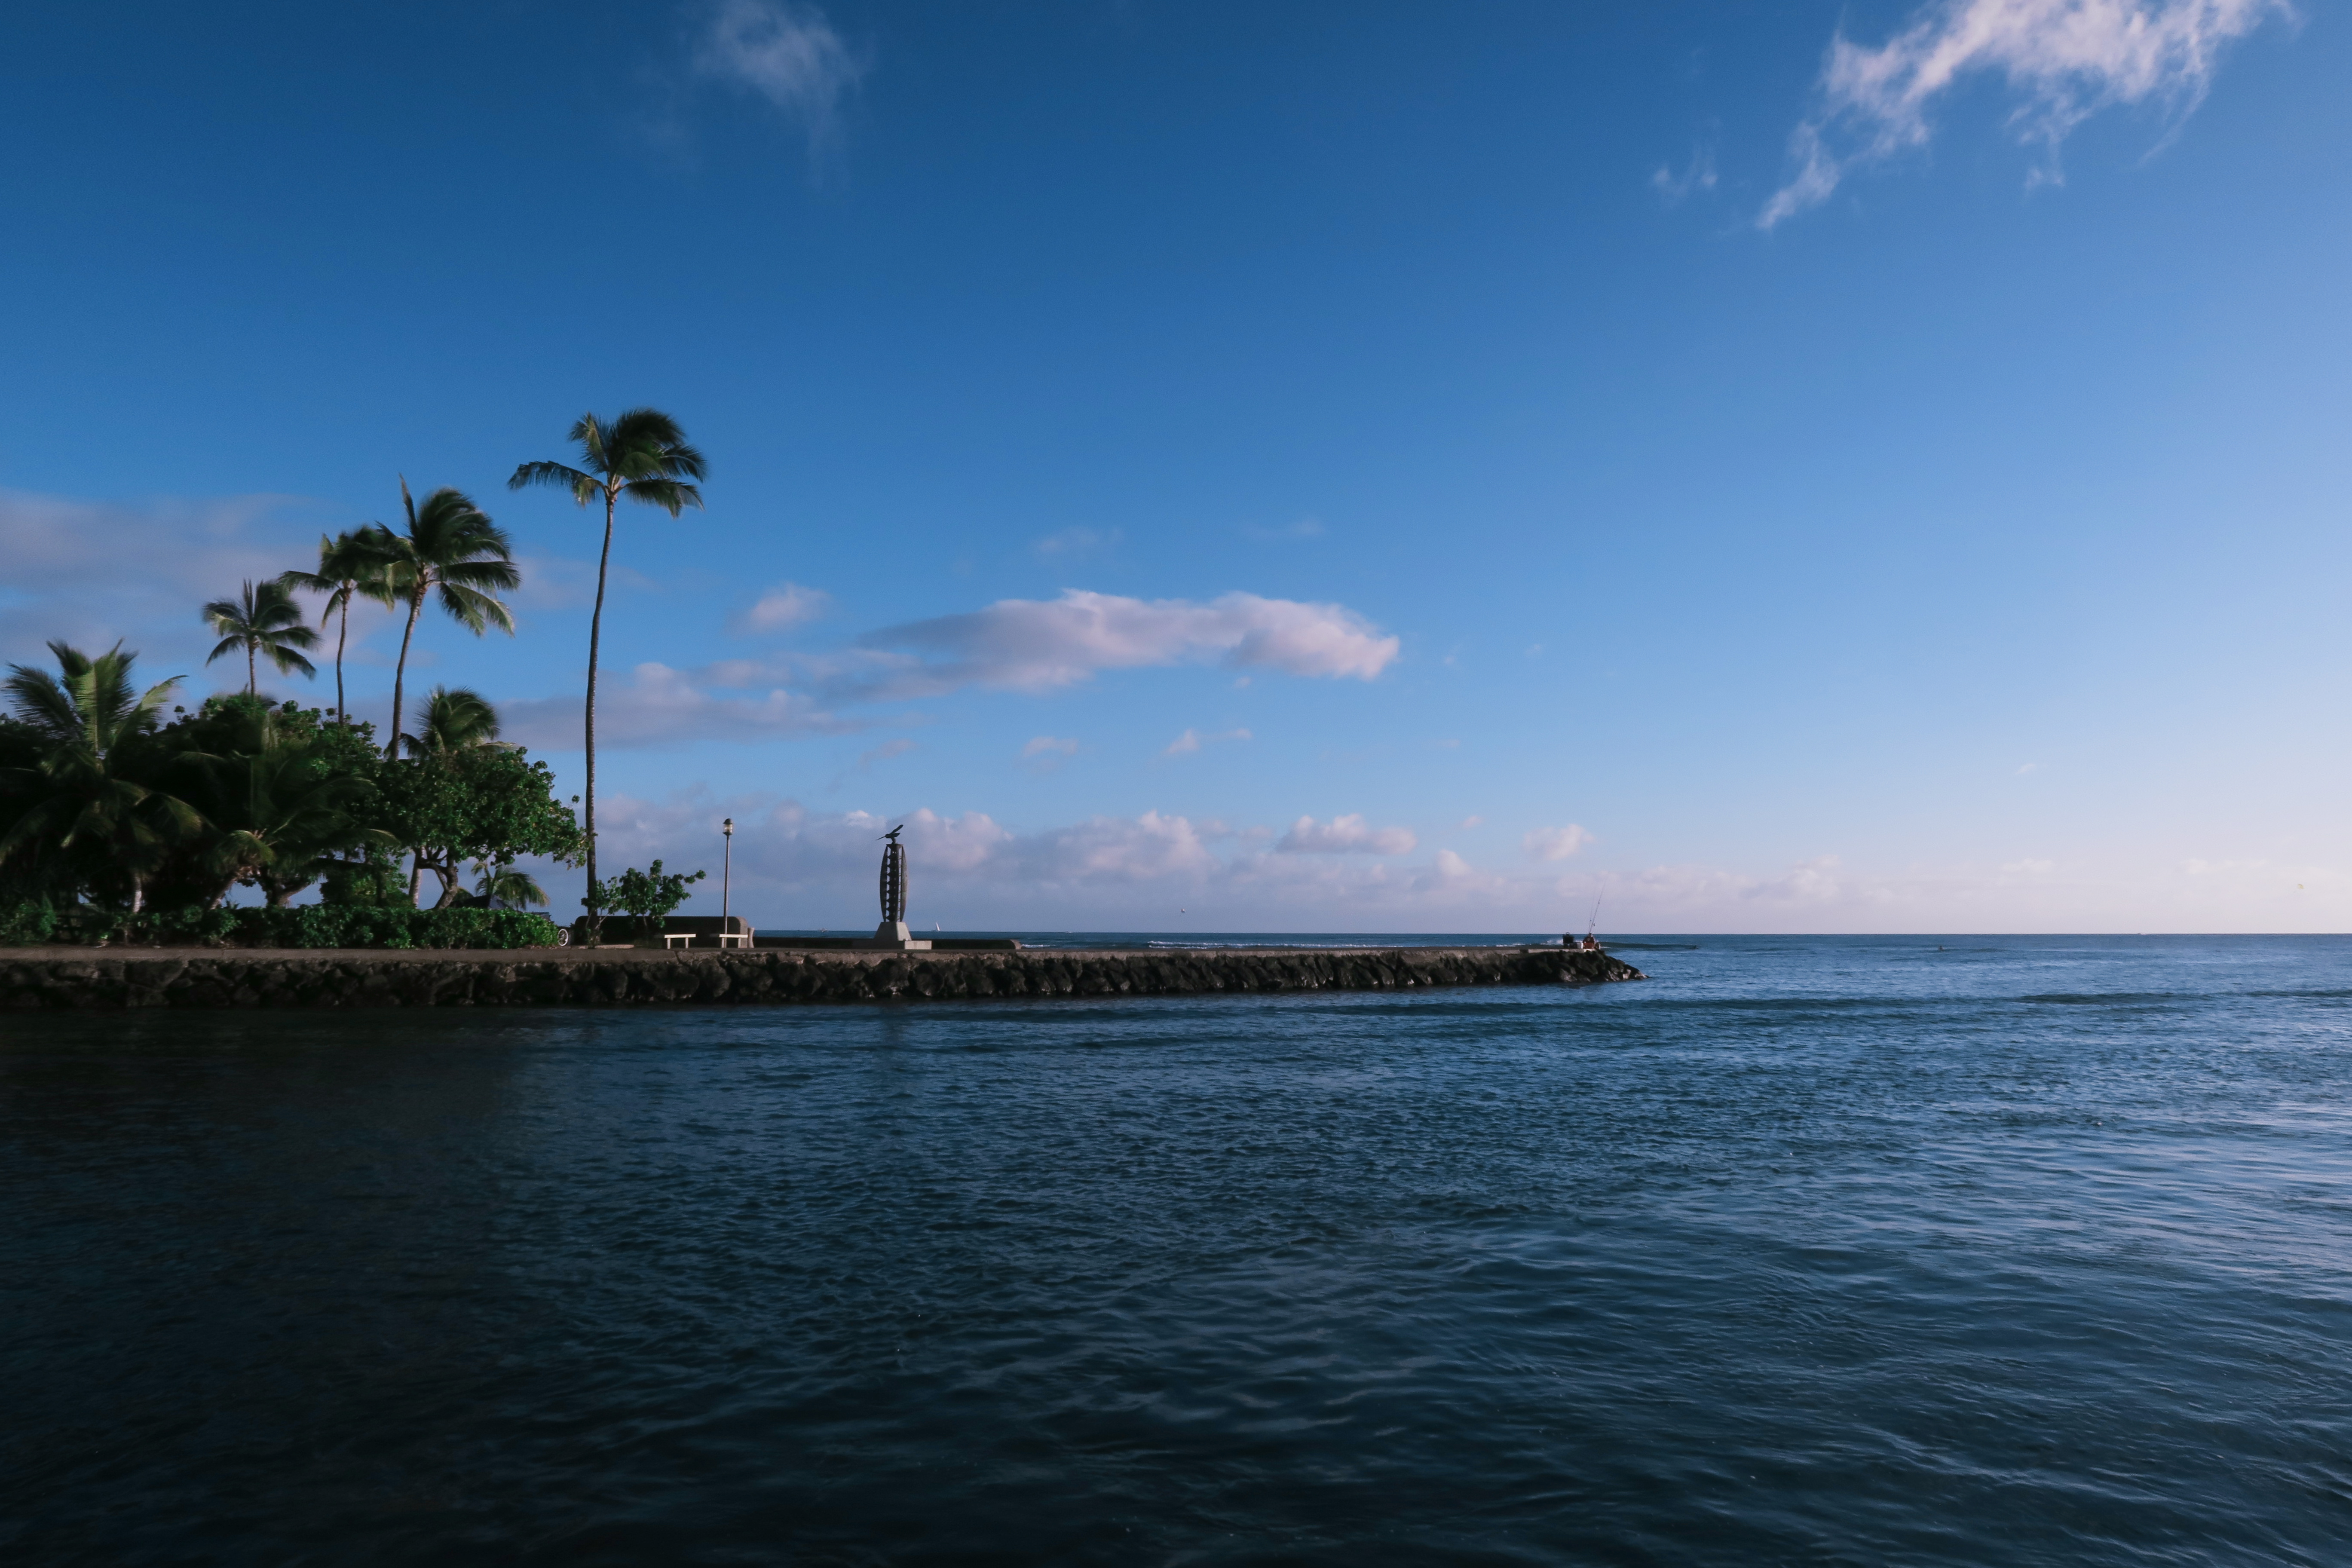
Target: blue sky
[{"x": 1816, "y": 466}]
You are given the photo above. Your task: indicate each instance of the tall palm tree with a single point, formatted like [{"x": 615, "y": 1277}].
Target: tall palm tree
[
  {"x": 352, "y": 564},
  {"x": 455, "y": 717},
  {"x": 453, "y": 550},
  {"x": 642, "y": 455},
  {"x": 85, "y": 717},
  {"x": 264, "y": 621}
]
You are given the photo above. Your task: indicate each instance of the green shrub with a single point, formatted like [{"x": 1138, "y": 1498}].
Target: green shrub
[
  {"x": 308, "y": 925},
  {"x": 27, "y": 924},
  {"x": 210, "y": 927},
  {"x": 359, "y": 925}
]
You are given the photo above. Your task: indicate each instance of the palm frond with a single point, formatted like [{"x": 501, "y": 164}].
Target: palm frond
[
  {"x": 289, "y": 662},
  {"x": 71, "y": 660},
  {"x": 649, "y": 443},
  {"x": 476, "y": 612},
  {"x": 226, "y": 646},
  {"x": 588, "y": 431},
  {"x": 557, "y": 476},
  {"x": 455, "y": 719},
  {"x": 666, "y": 494},
  {"x": 39, "y": 699},
  {"x": 498, "y": 573}
]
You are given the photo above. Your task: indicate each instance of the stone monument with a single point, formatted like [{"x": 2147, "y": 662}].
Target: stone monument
[{"x": 892, "y": 933}]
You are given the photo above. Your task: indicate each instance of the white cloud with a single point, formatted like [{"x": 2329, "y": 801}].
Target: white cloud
[
  {"x": 1192, "y": 741},
  {"x": 1049, "y": 746},
  {"x": 787, "y": 54},
  {"x": 1474, "y": 820},
  {"x": 1032, "y": 645},
  {"x": 784, "y": 605},
  {"x": 1350, "y": 835},
  {"x": 2062, "y": 60},
  {"x": 1555, "y": 843},
  {"x": 657, "y": 705}
]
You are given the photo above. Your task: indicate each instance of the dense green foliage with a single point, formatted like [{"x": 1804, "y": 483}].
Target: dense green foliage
[
  {"x": 115, "y": 827},
  {"x": 311, "y": 925}
]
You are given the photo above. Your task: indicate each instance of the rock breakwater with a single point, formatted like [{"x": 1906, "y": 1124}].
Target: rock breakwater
[{"x": 37, "y": 978}]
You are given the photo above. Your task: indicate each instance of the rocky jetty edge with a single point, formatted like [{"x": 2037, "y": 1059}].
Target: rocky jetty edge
[{"x": 41, "y": 978}]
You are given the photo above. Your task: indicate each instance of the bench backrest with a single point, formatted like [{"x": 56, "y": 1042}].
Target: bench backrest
[{"x": 626, "y": 928}]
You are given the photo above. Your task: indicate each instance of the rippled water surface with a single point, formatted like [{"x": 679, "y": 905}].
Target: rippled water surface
[{"x": 2019, "y": 1250}]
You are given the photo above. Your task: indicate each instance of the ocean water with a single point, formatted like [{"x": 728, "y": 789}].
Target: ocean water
[
  {"x": 1102, "y": 940},
  {"x": 1957, "y": 1251}
]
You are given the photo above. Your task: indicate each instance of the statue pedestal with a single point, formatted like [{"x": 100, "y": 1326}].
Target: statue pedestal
[{"x": 891, "y": 936}]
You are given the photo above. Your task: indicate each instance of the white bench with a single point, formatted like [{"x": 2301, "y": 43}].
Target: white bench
[{"x": 672, "y": 938}]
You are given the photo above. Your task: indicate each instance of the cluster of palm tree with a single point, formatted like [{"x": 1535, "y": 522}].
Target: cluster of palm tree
[
  {"x": 451, "y": 553},
  {"x": 274, "y": 800}
]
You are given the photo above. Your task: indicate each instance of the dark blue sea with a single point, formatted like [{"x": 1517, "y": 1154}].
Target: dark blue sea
[{"x": 1807, "y": 1250}]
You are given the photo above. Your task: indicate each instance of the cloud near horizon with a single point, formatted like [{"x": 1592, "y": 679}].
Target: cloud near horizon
[
  {"x": 2063, "y": 61},
  {"x": 796, "y": 868},
  {"x": 1350, "y": 835},
  {"x": 816, "y": 870}
]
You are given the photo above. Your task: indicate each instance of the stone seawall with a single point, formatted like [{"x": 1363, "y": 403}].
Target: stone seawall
[{"x": 33, "y": 978}]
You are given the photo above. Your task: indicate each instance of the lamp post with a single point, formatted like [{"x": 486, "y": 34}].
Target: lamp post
[{"x": 726, "y": 870}]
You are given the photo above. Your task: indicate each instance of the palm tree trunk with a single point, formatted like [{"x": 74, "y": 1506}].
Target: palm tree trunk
[
  {"x": 251, "y": 679},
  {"x": 343, "y": 714},
  {"x": 596, "y": 633},
  {"x": 400, "y": 674}
]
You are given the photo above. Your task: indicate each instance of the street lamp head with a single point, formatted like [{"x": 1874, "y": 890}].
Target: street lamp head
[{"x": 727, "y": 827}]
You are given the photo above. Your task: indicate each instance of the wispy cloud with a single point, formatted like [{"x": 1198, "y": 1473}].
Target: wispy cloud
[
  {"x": 1675, "y": 186},
  {"x": 1350, "y": 835},
  {"x": 1192, "y": 741},
  {"x": 2062, "y": 60},
  {"x": 1555, "y": 843},
  {"x": 1305, "y": 527},
  {"x": 91, "y": 572},
  {"x": 1032, "y": 645},
  {"x": 867, "y": 759},
  {"x": 657, "y": 705},
  {"x": 786, "y": 605},
  {"x": 1074, "y": 542},
  {"x": 1015, "y": 643},
  {"x": 1049, "y": 746},
  {"x": 787, "y": 54}
]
